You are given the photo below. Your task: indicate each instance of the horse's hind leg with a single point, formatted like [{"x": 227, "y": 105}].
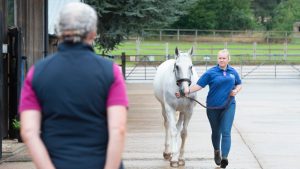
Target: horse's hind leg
[
  {"x": 167, "y": 152},
  {"x": 183, "y": 133}
]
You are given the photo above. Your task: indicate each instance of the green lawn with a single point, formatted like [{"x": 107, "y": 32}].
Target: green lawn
[
  {"x": 159, "y": 48},
  {"x": 240, "y": 51}
]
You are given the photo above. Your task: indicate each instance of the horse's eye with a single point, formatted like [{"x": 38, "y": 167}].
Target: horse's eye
[
  {"x": 191, "y": 67},
  {"x": 177, "y": 67}
]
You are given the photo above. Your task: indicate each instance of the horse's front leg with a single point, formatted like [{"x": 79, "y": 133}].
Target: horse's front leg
[
  {"x": 171, "y": 117},
  {"x": 187, "y": 117},
  {"x": 167, "y": 151},
  {"x": 180, "y": 121}
]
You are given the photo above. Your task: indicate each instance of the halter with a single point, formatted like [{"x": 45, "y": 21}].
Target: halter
[{"x": 180, "y": 80}]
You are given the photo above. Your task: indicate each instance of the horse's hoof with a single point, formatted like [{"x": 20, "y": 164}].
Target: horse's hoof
[
  {"x": 181, "y": 162},
  {"x": 174, "y": 164},
  {"x": 167, "y": 156}
]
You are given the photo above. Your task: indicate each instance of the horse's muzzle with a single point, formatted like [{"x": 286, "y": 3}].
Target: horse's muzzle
[
  {"x": 179, "y": 81},
  {"x": 181, "y": 91}
]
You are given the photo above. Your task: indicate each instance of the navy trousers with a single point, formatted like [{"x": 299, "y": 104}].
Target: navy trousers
[{"x": 221, "y": 121}]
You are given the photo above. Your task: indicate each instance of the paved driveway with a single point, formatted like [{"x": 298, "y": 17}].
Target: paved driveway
[{"x": 266, "y": 132}]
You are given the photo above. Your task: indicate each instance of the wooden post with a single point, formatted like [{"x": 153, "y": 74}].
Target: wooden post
[
  {"x": 285, "y": 48},
  {"x": 160, "y": 34},
  {"x": 138, "y": 46},
  {"x": 241, "y": 66},
  {"x": 195, "y": 47},
  {"x": 123, "y": 59},
  {"x": 214, "y": 34},
  {"x": 196, "y": 35},
  {"x": 29, "y": 16},
  {"x": 3, "y": 98},
  {"x": 254, "y": 50},
  {"x": 167, "y": 50},
  {"x": 225, "y": 45},
  {"x": 46, "y": 36},
  {"x": 1, "y": 83}
]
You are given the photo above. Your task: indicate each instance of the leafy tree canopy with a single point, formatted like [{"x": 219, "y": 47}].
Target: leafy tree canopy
[
  {"x": 263, "y": 11},
  {"x": 119, "y": 18},
  {"x": 286, "y": 14},
  {"x": 216, "y": 14}
]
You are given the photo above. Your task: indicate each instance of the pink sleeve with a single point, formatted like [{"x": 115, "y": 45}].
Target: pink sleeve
[
  {"x": 28, "y": 99},
  {"x": 117, "y": 94}
]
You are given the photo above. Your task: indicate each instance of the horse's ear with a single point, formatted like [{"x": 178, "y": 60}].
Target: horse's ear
[
  {"x": 176, "y": 52},
  {"x": 191, "y": 51}
]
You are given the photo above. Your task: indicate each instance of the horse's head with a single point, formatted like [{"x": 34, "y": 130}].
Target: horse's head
[{"x": 183, "y": 69}]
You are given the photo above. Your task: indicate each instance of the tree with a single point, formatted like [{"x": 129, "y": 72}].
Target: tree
[
  {"x": 119, "y": 18},
  {"x": 286, "y": 14},
  {"x": 216, "y": 14},
  {"x": 264, "y": 11},
  {"x": 200, "y": 16},
  {"x": 234, "y": 15}
]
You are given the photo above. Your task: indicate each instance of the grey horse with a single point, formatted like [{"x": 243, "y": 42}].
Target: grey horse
[{"x": 172, "y": 76}]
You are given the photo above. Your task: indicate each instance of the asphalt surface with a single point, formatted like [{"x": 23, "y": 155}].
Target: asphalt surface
[{"x": 265, "y": 135}]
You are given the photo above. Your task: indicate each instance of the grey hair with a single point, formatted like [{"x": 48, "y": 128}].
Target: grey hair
[{"x": 75, "y": 21}]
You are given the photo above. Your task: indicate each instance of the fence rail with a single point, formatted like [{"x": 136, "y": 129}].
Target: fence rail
[
  {"x": 164, "y": 41},
  {"x": 143, "y": 67},
  {"x": 218, "y": 35},
  {"x": 256, "y": 54}
]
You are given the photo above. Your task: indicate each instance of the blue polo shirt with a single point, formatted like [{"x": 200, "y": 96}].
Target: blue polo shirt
[{"x": 220, "y": 83}]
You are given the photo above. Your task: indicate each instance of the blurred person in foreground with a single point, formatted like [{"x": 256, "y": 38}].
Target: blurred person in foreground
[{"x": 73, "y": 104}]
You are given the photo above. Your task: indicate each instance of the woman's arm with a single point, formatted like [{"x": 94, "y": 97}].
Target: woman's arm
[
  {"x": 30, "y": 132},
  {"x": 117, "y": 116},
  {"x": 191, "y": 89},
  {"x": 235, "y": 91},
  {"x": 195, "y": 88}
]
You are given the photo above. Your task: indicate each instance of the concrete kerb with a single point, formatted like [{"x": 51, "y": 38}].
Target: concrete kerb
[{"x": 11, "y": 148}]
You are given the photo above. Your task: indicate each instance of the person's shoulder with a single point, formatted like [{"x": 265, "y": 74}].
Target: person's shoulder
[
  {"x": 102, "y": 62},
  {"x": 42, "y": 64},
  {"x": 209, "y": 72},
  {"x": 102, "y": 59},
  {"x": 231, "y": 68},
  {"x": 212, "y": 69},
  {"x": 46, "y": 60}
]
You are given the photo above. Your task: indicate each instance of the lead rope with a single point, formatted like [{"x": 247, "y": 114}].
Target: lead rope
[{"x": 213, "y": 108}]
